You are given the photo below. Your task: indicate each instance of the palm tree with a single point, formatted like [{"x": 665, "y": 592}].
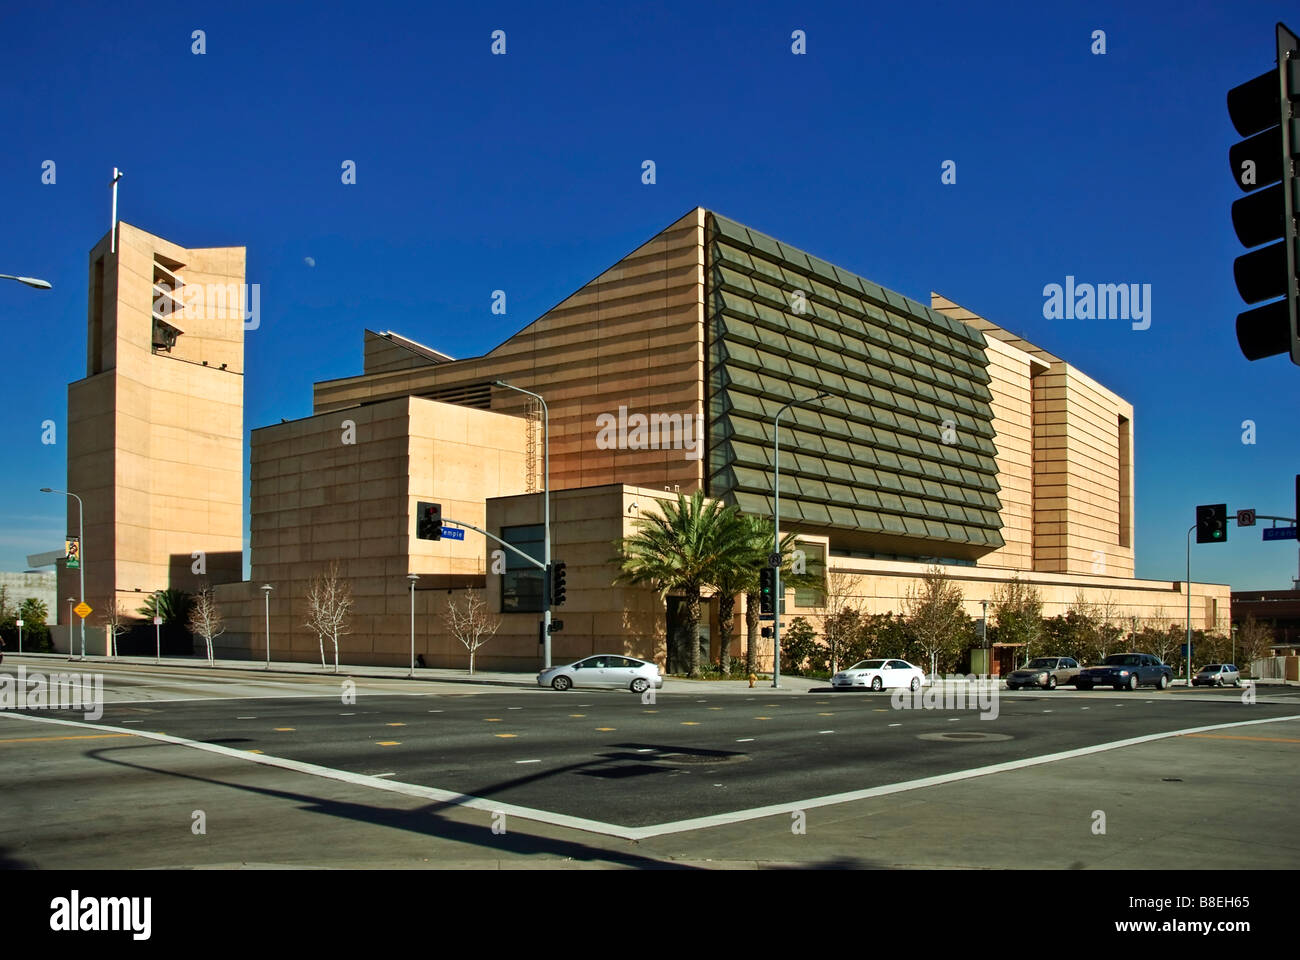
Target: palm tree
[
  {"x": 172, "y": 605},
  {"x": 684, "y": 549}
]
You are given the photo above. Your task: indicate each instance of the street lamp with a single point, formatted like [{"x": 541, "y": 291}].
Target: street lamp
[
  {"x": 546, "y": 506},
  {"x": 1189, "y": 604},
  {"x": 29, "y": 281},
  {"x": 157, "y": 626},
  {"x": 412, "y": 577},
  {"x": 81, "y": 563},
  {"x": 777, "y": 593},
  {"x": 20, "y": 634},
  {"x": 266, "y": 593}
]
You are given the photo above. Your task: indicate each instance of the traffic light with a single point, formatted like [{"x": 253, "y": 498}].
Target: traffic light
[
  {"x": 556, "y": 574},
  {"x": 766, "y": 590},
  {"x": 1266, "y": 111},
  {"x": 1212, "y": 523},
  {"x": 428, "y": 521}
]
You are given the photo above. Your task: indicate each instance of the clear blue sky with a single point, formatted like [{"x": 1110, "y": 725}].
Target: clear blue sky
[{"x": 522, "y": 172}]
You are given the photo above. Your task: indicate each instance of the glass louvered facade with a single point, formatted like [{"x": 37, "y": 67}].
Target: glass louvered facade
[{"x": 899, "y": 455}]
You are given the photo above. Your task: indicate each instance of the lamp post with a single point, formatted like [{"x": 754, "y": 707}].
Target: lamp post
[
  {"x": 266, "y": 593},
  {"x": 412, "y": 577},
  {"x": 546, "y": 507},
  {"x": 29, "y": 281},
  {"x": 1189, "y": 604},
  {"x": 778, "y": 595},
  {"x": 81, "y": 564},
  {"x": 20, "y": 635}
]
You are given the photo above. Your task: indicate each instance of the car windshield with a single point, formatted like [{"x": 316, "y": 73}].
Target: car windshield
[
  {"x": 1210, "y": 668},
  {"x": 1041, "y": 662},
  {"x": 1122, "y": 660},
  {"x": 868, "y": 665}
]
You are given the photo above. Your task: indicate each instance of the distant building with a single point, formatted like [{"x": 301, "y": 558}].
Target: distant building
[
  {"x": 941, "y": 439},
  {"x": 31, "y": 583}
]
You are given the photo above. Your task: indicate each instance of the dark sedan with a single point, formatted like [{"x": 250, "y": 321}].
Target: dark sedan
[{"x": 1126, "y": 671}]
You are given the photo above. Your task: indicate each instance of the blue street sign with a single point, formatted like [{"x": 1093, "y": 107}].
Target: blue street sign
[
  {"x": 1279, "y": 533},
  {"x": 453, "y": 533}
]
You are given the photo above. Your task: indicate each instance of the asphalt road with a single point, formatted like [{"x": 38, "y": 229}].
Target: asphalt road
[
  {"x": 607, "y": 756},
  {"x": 599, "y": 762}
]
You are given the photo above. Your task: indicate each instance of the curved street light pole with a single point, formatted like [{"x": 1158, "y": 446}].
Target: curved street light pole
[
  {"x": 81, "y": 562},
  {"x": 29, "y": 281},
  {"x": 546, "y": 528},
  {"x": 777, "y": 593}
]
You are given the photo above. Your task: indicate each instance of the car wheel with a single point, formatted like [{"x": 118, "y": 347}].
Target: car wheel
[
  {"x": 916, "y": 684},
  {"x": 1164, "y": 681},
  {"x": 877, "y": 684},
  {"x": 1012, "y": 686},
  {"x": 1051, "y": 682},
  {"x": 640, "y": 684},
  {"x": 1218, "y": 681},
  {"x": 1133, "y": 682},
  {"x": 561, "y": 683},
  {"x": 1237, "y": 682}
]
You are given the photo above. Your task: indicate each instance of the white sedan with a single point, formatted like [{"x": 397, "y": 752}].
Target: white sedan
[
  {"x": 605, "y": 670},
  {"x": 879, "y": 674}
]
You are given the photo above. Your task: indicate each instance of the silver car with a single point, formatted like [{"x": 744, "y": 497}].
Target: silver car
[
  {"x": 1217, "y": 675},
  {"x": 603, "y": 670},
  {"x": 1045, "y": 672}
]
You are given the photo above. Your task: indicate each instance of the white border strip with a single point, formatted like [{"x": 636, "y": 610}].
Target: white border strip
[{"x": 657, "y": 830}]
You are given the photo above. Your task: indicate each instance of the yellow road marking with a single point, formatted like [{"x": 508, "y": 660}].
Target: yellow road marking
[
  {"x": 491, "y": 719},
  {"x": 394, "y": 724},
  {"x": 285, "y": 729},
  {"x": 714, "y": 708},
  {"x": 690, "y": 723},
  {"x": 506, "y": 736},
  {"x": 762, "y": 718},
  {"x": 1224, "y": 736},
  {"x": 88, "y": 736},
  {"x": 387, "y": 743},
  {"x": 254, "y": 751},
  {"x": 605, "y": 729},
  {"x": 825, "y": 714},
  {"x": 649, "y": 711},
  {"x": 577, "y": 714}
]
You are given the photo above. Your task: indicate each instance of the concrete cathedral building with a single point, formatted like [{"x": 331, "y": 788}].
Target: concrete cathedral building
[{"x": 941, "y": 439}]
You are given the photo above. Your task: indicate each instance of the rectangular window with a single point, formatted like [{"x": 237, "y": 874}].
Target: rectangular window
[
  {"x": 811, "y": 597},
  {"x": 1125, "y": 490},
  {"x": 523, "y": 584},
  {"x": 97, "y": 319}
]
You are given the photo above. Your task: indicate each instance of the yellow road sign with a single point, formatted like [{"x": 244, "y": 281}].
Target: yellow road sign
[{"x": 83, "y": 610}]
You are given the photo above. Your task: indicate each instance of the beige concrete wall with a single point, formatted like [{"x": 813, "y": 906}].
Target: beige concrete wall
[
  {"x": 155, "y": 439},
  {"x": 633, "y": 337},
  {"x": 1059, "y": 442},
  {"x": 343, "y": 487}
]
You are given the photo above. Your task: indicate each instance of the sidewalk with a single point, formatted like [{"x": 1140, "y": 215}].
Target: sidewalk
[{"x": 199, "y": 665}]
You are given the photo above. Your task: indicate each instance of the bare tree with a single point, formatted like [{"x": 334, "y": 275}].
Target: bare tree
[
  {"x": 1018, "y": 613},
  {"x": 113, "y": 615},
  {"x": 471, "y": 624},
  {"x": 1252, "y": 641},
  {"x": 205, "y": 619},
  {"x": 934, "y": 614},
  {"x": 329, "y": 609},
  {"x": 839, "y": 610}
]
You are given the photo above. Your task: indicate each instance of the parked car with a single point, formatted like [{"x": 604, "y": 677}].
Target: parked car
[
  {"x": 1045, "y": 672},
  {"x": 603, "y": 670},
  {"x": 1217, "y": 675},
  {"x": 878, "y": 674},
  {"x": 1126, "y": 671}
]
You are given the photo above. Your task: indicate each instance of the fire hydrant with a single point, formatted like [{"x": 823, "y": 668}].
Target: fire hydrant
[{"x": 752, "y": 678}]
